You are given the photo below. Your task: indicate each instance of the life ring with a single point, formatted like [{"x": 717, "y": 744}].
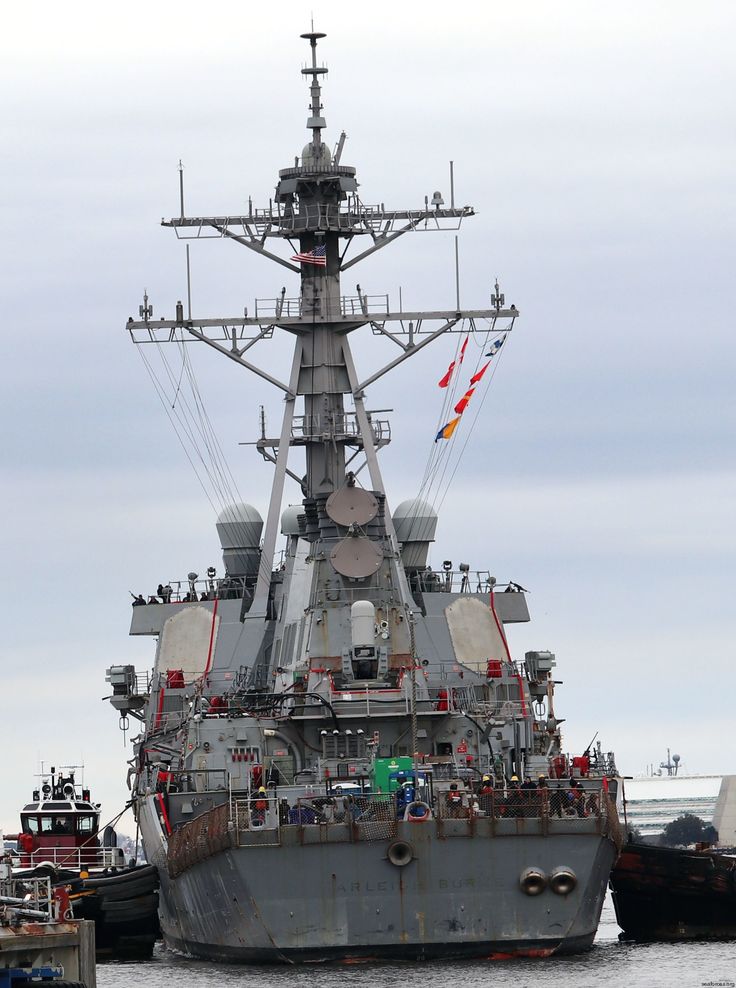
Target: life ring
[{"x": 417, "y": 812}]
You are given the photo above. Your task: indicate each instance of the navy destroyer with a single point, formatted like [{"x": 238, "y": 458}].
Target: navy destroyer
[{"x": 339, "y": 758}]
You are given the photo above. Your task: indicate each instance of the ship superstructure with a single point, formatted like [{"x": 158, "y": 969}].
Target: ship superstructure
[{"x": 339, "y": 757}]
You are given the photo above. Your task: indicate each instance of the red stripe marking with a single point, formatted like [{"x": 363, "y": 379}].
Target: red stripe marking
[
  {"x": 500, "y": 627},
  {"x": 164, "y": 814},
  {"x": 212, "y": 638},
  {"x": 508, "y": 652},
  {"x": 159, "y": 709}
]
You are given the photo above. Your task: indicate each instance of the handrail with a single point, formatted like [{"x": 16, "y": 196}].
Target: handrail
[
  {"x": 359, "y": 306},
  {"x": 256, "y": 819},
  {"x": 458, "y": 581},
  {"x": 74, "y": 857},
  {"x": 23, "y": 899},
  {"x": 552, "y": 801}
]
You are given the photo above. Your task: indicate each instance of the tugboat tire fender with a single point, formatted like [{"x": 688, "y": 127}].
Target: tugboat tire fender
[{"x": 46, "y": 869}]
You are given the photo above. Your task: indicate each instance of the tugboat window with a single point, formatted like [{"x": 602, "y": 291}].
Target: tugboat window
[
  {"x": 85, "y": 824},
  {"x": 54, "y": 825}
]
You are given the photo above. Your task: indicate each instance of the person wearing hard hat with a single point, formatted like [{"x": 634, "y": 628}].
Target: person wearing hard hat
[
  {"x": 259, "y": 802},
  {"x": 454, "y": 800},
  {"x": 513, "y": 797},
  {"x": 486, "y": 786},
  {"x": 485, "y": 795}
]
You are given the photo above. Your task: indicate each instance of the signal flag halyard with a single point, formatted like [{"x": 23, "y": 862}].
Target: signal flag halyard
[
  {"x": 479, "y": 374},
  {"x": 463, "y": 403},
  {"x": 317, "y": 256},
  {"x": 446, "y": 379},
  {"x": 448, "y": 376},
  {"x": 447, "y": 430},
  {"x": 496, "y": 346}
]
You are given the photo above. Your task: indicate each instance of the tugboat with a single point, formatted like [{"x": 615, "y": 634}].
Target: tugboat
[
  {"x": 338, "y": 756},
  {"x": 59, "y": 839}
]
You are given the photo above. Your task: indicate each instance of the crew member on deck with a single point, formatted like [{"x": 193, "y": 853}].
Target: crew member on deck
[
  {"x": 528, "y": 797},
  {"x": 514, "y": 797},
  {"x": 454, "y": 800},
  {"x": 260, "y": 805},
  {"x": 485, "y": 795}
]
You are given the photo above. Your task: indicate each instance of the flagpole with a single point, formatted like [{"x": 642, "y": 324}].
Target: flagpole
[{"x": 457, "y": 274}]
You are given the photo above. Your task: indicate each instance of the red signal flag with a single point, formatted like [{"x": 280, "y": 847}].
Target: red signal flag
[
  {"x": 448, "y": 376},
  {"x": 446, "y": 379},
  {"x": 479, "y": 374},
  {"x": 463, "y": 403}
]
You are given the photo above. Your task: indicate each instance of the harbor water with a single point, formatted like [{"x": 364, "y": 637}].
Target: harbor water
[{"x": 609, "y": 963}]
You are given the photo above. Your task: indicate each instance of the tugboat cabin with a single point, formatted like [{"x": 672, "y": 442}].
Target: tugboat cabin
[{"x": 60, "y": 826}]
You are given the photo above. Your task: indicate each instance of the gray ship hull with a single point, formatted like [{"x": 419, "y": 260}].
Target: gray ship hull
[{"x": 309, "y": 900}]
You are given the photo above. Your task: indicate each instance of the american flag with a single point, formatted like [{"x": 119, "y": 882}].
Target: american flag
[{"x": 317, "y": 256}]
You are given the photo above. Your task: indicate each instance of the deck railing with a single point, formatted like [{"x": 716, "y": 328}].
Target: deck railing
[
  {"x": 74, "y": 858},
  {"x": 258, "y": 820}
]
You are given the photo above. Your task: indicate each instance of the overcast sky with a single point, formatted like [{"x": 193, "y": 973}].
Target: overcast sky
[{"x": 597, "y": 144}]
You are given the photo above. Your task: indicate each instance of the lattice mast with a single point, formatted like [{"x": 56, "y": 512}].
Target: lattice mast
[{"x": 317, "y": 202}]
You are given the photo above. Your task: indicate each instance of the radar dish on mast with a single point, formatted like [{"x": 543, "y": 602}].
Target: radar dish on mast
[
  {"x": 356, "y": 558},
  {"x": 352, "y": 506}
]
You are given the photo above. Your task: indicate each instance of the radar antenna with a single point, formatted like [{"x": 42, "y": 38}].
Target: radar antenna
[{"x": 316, "y": 122}]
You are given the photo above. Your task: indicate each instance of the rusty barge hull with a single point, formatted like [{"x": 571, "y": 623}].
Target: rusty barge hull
[
  {"x": 669, "y": 894},
  {"x": 308, "y": 899}
]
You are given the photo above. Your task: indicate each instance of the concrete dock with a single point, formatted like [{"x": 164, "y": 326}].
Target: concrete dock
[{"x": 40, "y": 941}]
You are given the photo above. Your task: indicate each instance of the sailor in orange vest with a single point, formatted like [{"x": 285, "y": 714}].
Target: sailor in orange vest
[
  {"x": 260, "y": 805},
  {"x": 454, "y": 800}
]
